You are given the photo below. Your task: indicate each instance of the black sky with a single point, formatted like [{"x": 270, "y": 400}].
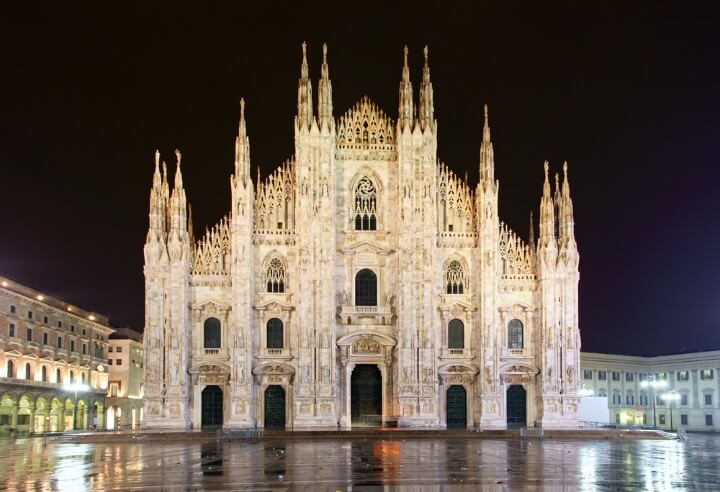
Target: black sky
[{"x": 627, "y": 92}]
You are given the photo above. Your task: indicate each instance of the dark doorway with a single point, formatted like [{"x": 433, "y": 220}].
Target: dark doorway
[
  {"x": 212, "y": 407},
  {"x": 456, "y": 407},
  {"x": 366, "y": 395},
  {"x": 516, "y": 406},
  {"x": 274, "y": 407}
]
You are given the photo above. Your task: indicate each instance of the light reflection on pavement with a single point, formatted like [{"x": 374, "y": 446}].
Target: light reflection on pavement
[{"x": 422, "y": 464}]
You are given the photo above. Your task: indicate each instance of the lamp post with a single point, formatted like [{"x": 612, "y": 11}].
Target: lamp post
[
  {"x": 670, "y": 397},
  {"x": 654, "y": 384},
  {"x": 76, "y": 388}
]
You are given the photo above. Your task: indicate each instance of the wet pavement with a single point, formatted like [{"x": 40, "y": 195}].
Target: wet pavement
[{"x": 421, "y": 464}]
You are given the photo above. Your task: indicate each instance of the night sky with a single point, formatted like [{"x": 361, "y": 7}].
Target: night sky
[{"x": 627, "y": 93}]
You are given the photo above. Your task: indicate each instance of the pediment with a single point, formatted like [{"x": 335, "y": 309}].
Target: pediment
[
  {"x": 366, "y": 338},
  {"x": 211, "y": 307},
  {"x": 275, "y": 305},
  {"x": 519, "y": 368},
  {"x": 517, "y": 307},
  {"x": 458, "y": 368},
  {"x": 366, "y": 246},
  {"x": 274, "y": 368},
  {"x": 210, "y": 368},
  {"x": 13, "y": 353},
  {"x": 457, "y": 305}
]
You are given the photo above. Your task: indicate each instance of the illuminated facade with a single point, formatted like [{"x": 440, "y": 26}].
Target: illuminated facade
[
  {"x": 362, "y": 280},
  {"x": 125, "y": 379},
  {"x": 47, "y": 344},
  {"x": 693, "y": 377}
]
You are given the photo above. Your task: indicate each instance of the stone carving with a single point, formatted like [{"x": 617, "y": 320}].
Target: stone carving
[{"x": 366, "y": 345}]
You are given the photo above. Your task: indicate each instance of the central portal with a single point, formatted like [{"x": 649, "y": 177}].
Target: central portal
[
  {"x": 212, "y": 407},
  {"x": 366, "y": 395}
]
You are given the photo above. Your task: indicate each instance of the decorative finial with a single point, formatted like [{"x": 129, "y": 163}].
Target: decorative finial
[
  {"x": 485, "y": 109},
  {"x": 565, "y": 170},
  {"x": 324, "y": 52},
  {"x": 547, "y": 168},
  {"x": 425, "y": 51},
  {"x": 178, "y": 156},
  {"x": 405, "y": 53},
  {"x": 304, "y": 48},
  {"x": 157, "y": 158},
  {"x": 242, "y": 108}
]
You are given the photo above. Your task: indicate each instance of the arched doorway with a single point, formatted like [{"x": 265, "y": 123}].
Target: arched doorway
[
  {"x": 366, "y": 395},
  {"x": 274, "y": 407},
  {"x": 212, "y": 407},
  {"x": 516, "y": 406},
  {"x": 111, "y": 418},
  {"x": 456, "y": 407}
]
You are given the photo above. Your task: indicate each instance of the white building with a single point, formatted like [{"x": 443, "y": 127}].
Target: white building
[
  {"x": 126, "y": 368},
  {"x": 693, "y": 377},
  {"x": 361, "y": 280},
  {"x": 47, "y": 344}
]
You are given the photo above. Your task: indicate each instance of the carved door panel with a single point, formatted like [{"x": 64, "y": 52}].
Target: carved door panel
[
  {"x": 456, "y": 407},
  {"x": 212, "y": 407},
  {"x": 274, "y": 407},
  {"x": 516, "y": 406},
  {"x": 366, "y": 395}
]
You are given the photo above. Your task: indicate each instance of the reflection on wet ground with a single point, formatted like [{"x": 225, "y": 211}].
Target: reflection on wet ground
[{"x": 422, "y": 464}]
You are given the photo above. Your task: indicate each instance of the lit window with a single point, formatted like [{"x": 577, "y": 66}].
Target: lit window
[{"x": 706, "y": 374}]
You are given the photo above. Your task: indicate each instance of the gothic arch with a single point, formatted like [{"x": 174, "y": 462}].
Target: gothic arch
[
  {"x": 456, "y": 278},
  {"x": 275, "y": 273},
  {"x": 365, "y": 201}
]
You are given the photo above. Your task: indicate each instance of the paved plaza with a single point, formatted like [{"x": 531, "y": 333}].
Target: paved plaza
[{"x": 417, "y": 464}]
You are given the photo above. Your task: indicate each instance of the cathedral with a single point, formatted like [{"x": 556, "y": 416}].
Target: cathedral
[{"x": 361, "y": 283}]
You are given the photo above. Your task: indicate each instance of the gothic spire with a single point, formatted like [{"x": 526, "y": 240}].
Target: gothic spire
[
  {"x": 531, "y": 234},
  {"x": 242, "y": 148},
  {"x": 487, "y": 155},
  {"x": 325, "y": 108},
  {"x": 547, "y": 213},
  {"x": 157, "y": 205},
  {"x": 566, "y": 219},
  {"x": 405, "y": 109},
  {"x": 305, "y": 109},
  {"x": 427, "y": 115},
  {"x": 178, "y": 210}
]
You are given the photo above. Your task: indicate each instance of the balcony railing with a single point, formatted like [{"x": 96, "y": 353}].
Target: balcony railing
[
  {"x": 351, "y": 314},
  {"x": 274, "y": 351},
  {"x": 515, "y": 352},
  {"x": 212, "y": 351}
]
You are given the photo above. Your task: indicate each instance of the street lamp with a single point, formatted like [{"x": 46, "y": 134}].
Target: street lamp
[
  {"x": 670, "y": 397},
  {"x": 76, "y": 388},
  {"x": 654, "y": 384}
]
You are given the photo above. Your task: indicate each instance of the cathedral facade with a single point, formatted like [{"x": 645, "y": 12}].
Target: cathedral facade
[{"x": 361, "y": 282}]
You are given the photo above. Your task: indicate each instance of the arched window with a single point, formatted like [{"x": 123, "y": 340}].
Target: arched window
[
  {"x": 211, "y": 333},
  {"x": 365, "y": 205},
  {"x": 10, "y": 369},
  {"x": 44, "y": 373},
  {"x": 455, "y": 278},
  {"x": 58, "y": 376},
  {"x": 276, "y": 276},
  {"x": 456, "y": 334},
  {"x": 72, "y": 378},
  {"x": 366, "y": 288},
  {"x": 274, "y": 334},
  {"x": 515, "y": 334},
  {"x": 28, "y": 371},
  {"x": 82, "y": 377}
]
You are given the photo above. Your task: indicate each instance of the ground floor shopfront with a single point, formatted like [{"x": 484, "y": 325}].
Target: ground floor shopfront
[{"x": 35, "y": 409}]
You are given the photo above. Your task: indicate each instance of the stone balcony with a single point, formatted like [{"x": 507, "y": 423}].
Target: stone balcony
[
  {"x": 275, "y": 353},
  {"x": 522, "y": 353},
  {"x": 365, "y": 315},
  {"x": 457, "y": 353},
  {"x": 211, "y": 354}
]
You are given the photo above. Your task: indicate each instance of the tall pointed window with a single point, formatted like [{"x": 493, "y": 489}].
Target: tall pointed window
[
  {"x": 276, "y": 276},
  {"x": 515, "y": 334},
  {"x": 211, "y": 333},
  {"x": 10, "y": 369},
  {"x": 366, "y": 288},
  {"x": 274, "y": 334},
  {"x": 365, "y": 205},
  {"x": 455, "y": 278},
  {"x": 456, "y": 334}
]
